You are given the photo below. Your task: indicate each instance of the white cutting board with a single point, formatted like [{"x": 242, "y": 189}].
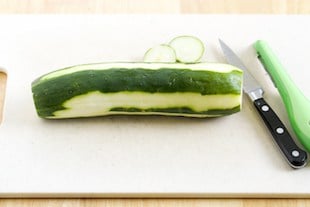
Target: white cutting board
[{"x": 232, "y": 156}]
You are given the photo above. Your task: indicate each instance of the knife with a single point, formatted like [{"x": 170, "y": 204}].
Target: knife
[{"x": 296, "y": 157}]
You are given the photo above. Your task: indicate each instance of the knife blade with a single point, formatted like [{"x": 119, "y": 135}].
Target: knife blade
[{"x": 296, "y": 157}]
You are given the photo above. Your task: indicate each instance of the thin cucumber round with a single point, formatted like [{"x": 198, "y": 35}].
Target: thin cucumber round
[
  {"x": 188, "y": 49},
  {"x": 160, "y": 54}
]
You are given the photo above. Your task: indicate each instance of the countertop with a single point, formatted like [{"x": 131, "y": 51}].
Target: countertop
[{"x": 152, "y": 6}]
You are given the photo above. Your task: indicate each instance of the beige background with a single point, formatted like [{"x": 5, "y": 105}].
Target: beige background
[{"x": 152, "y": 6}]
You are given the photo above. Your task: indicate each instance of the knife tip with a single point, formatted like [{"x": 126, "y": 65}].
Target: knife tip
[{"x": 222, "y": 43}]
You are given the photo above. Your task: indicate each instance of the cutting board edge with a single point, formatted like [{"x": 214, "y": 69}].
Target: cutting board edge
[{"x": 153, "y": 195}]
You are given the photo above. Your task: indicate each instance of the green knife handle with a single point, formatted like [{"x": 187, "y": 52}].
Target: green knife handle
[{"x": 296, "y": 104}]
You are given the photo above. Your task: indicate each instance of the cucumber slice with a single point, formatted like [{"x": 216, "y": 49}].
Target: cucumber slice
[
  {"x": 161, "y": 54},
  {"x": 188, "y": 49}
]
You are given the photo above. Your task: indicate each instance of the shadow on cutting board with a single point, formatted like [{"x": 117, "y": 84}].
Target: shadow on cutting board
[{"x": 3, "y": 79}]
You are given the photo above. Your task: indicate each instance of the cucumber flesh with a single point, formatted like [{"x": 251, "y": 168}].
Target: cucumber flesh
[
  {"x": 160, "y": 54},
  {"x": 174, "y": 104},
  {"x": 188, "y": 49}
]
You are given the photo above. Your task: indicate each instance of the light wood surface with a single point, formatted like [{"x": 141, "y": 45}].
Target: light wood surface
[
  {"x": 156, "y": 6},
  {"x": 152, "y": 6}
]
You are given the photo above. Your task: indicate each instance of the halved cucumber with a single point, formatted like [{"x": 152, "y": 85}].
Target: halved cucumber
[
  {"x": 173, "y": 89},
  {"x": 160, "y": 54},
  {"x": 188, "y": 49}
]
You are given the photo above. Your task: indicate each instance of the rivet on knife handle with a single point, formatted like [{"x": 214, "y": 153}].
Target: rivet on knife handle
[
  {"x": 295, "y": 156},
  {"x": 296, "y": 104}
]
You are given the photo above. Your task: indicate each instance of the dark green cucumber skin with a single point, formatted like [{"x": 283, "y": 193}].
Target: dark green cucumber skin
[
  {"x": 50, "y": 94},
  {"x": 180, "y": 110}
]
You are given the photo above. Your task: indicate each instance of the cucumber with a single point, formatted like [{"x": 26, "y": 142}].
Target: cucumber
[
  {"x": 160, "y": 53},
  {"x": 173, "y": 89},
  {"x": 188, "y": 49}
]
